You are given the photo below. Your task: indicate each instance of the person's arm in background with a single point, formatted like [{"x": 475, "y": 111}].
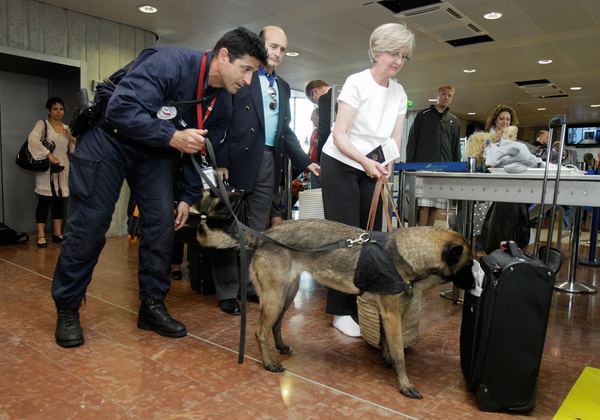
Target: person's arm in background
[
  {"x": 324, "y": 126},
  {"x": 291, "y": 145},
  {"x": 456, "y": 155},
  {"x": 411, "y": 145}
]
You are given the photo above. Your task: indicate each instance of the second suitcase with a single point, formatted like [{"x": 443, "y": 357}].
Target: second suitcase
[
  {"x": 201, "y": 272},
  {"x": 503, "y": 331}
]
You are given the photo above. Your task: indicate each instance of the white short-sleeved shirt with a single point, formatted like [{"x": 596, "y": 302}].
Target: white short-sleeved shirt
[{"x": 378, "y": 109}]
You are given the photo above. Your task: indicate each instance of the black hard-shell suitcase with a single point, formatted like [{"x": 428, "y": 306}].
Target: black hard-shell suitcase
[
  {"x": 201, "y": 271},
  {"x": 503, "y": 331}
]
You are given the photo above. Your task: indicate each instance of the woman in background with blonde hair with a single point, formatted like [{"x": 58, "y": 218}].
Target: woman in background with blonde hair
[{"x": 372, "y": 108}]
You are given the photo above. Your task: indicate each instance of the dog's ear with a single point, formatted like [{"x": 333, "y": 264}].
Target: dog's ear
[{"x": 452, "y": 253}]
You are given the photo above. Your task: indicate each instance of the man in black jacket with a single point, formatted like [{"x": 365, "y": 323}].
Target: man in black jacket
[{"x": 434, "y": 137}]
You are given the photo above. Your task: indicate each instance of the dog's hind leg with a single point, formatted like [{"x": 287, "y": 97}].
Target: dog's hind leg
[
  {"x": 391, "y": 317},
  {"x": 290, "y": 295}
]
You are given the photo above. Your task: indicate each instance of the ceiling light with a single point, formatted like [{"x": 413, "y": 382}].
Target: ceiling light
[
  {"x": 292, "y": 53},
  {"x": 575, "y": 88},
  {"x": 432, "y": 100},
  {"x": 541, "y": 109},
  {"x": 544, "y": 61},
  {"x": 470, "y": 70},
  {"x": 471, "y": 113},
  {"x": 595, "y": 105},
  {"x": 492, "y": 15},
  {"x": 146, "y": 8}
]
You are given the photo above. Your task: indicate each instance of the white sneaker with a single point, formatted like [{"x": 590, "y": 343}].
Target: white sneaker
[{"x": 347, "y": 325}]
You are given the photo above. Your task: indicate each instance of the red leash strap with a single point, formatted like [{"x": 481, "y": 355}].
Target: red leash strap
[{"x": 202, "y": 116}]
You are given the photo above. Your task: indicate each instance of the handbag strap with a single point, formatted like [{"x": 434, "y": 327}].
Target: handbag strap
[
  {"x": 374, "y": 204},
  {"x": 379, "y": 194},
  {"x": 50, "y": 145}
]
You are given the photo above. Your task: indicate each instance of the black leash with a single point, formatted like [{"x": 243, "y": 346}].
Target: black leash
[{"x": 221, "y": 191}]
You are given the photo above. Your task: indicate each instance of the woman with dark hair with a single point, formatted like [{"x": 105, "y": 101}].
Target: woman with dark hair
[
  {"x": 502, "y": 117},
  {"x": 51, "y": 138}
]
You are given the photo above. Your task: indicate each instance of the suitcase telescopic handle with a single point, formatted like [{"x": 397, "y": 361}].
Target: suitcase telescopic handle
[{"x": 514, "y": 249}]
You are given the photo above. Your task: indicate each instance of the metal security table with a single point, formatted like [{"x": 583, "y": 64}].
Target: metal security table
[{"x": 574, "y": 190}]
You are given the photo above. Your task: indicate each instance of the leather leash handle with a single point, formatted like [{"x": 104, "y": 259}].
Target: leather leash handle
[
  {"x": 393, "y": 205},
  {"x": 386, "y": 211},
  {"x": 374, "y": 205}
]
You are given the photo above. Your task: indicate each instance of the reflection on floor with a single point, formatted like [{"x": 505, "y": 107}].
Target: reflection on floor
[{"x": 125, "y": 372}]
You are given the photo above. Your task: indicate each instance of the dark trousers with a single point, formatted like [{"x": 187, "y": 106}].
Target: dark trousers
[
  {"x": 258, "y": 206},
  {"x": 98, "y": 168},
  {"x": 347, "y": 194},
  {"x": 45, "y": 203}
]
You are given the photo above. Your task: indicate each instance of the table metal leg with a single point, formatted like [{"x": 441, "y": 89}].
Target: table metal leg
[{"x": 571, "y": 285}]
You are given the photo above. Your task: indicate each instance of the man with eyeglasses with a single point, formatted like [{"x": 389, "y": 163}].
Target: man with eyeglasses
[{"x": 251, "y": 157}]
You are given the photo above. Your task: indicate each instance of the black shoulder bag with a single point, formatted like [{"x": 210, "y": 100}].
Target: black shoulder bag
[{"x": 26, "y": 161}]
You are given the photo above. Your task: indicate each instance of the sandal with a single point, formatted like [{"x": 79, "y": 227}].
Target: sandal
[
  {"x": 57, "y": 238},
  {"x": 41, "y": 244}
]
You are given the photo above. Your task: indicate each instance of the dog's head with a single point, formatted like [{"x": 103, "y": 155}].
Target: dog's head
[
  {"x": 209, "y": 238},
  {"x": 433, "y": 254}
]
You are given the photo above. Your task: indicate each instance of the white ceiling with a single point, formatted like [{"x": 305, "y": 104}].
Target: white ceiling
[{"x": 332, "y": 37}]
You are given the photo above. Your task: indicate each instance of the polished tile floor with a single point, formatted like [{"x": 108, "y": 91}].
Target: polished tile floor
[{"x": 123, "y": 372}]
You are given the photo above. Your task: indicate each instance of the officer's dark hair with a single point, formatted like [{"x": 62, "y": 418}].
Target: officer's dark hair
[
  {"x": 54, "y": 100},
  {"x": 240, "y": 42}
]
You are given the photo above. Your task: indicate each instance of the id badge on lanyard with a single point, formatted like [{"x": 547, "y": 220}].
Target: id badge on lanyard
[{"x": 207, "y": 170}]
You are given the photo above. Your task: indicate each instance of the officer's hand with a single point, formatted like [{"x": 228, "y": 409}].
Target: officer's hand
[
  {"x": 188, "y": 141},
  {"x": 314, "y": 168},
  {"x": 183, "y": 211},
  {"x": 223, "y": 174}
]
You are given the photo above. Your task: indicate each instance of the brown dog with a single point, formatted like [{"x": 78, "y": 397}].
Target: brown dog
[{"x": 423, "y": 256}]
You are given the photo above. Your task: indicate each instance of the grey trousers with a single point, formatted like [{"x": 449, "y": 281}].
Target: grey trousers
[{"x": 258, "y": 206}]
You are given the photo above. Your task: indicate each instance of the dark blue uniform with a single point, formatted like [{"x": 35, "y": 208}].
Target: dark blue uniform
[{"x": 139, "y": 152}]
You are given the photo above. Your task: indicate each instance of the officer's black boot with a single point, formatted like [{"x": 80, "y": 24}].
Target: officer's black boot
[
  {"x": 68, "y": 330},
  {"x": 154, "y": 316}
]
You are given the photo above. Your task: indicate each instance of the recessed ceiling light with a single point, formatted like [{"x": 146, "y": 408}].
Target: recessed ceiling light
[
  {"x": 470, "y": 70},
  {"x": 432, "y": 100},
  {"x": 146, "y": 8},
  {"x": 541, "y": 109},
  {"x": 471, "y": 113},
  {"x": 292, "y": 53},
  {"x": 545, "y": 61},
  {"x": 595, "y": 105},
  {"x": 492, "y": 15},
  {"x": 575, "y": 88}
]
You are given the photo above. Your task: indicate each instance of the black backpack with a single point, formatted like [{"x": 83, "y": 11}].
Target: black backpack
[{"x": 10, "y": 236}]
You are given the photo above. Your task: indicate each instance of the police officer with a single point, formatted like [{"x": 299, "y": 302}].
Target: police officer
[{"x": 148, "y": 113}]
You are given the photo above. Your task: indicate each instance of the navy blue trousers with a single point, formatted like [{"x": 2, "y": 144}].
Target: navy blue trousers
[{"x": 99, "y": 166}]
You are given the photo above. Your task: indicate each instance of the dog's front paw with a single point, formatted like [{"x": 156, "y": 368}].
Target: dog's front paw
[
  {"x": 285, "y": 349},
  {"x": 275, "y": 367},
  {"x": 411, "y": 392}
]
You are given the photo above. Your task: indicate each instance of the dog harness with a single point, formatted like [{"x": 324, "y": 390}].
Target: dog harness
[{"x": 375, "y": 272}]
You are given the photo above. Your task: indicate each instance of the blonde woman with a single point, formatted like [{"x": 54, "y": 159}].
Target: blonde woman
[{"x": 371, "y": 110}]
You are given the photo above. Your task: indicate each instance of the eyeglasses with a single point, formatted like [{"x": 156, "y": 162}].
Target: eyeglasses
[
  {"x": 405, "y": 58},
  {"x": 273, "y": 104}
]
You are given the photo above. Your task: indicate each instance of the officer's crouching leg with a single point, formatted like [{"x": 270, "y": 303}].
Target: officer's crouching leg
[
  {"x": 155, "y": 200},
  {"x": 94, "y": 185}
]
